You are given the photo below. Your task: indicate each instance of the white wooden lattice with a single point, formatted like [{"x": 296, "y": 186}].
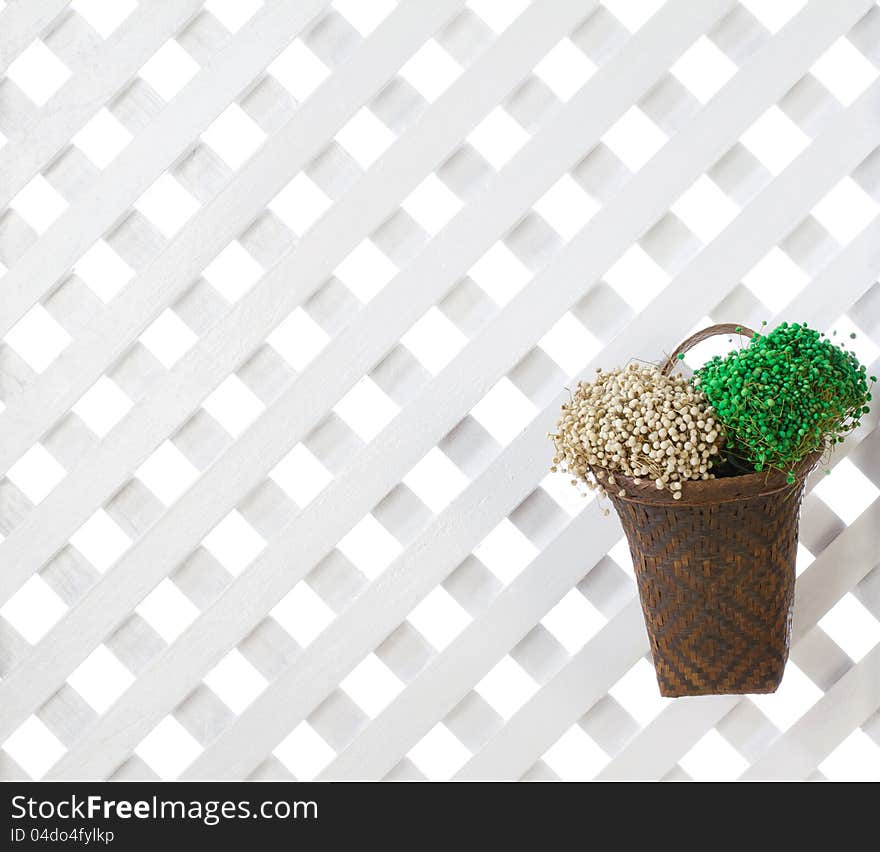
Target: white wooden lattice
[{"x": 290, "y": 292}]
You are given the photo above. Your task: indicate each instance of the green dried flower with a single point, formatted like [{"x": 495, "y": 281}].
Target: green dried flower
[{"x": 788, "y": 394}]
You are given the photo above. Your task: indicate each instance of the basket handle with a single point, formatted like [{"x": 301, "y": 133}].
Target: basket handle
[{"x": 700, "y": 336}]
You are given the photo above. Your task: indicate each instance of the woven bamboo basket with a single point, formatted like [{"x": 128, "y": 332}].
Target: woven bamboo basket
[{"x": 716, "y": 571}]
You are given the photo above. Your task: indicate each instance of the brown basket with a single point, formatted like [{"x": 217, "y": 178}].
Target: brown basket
[{"x": 715, "y": 571}]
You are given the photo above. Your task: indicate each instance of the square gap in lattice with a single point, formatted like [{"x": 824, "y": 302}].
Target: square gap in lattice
[
  {"x": 104, "y": 17},
  {"x": 102, "y": 406},
  {"x": 439, "y": 618},
  {"x": 775, "y": 140},
  {"x": 34, "y": 747},
  {"x": 38, "y": 72},
  {"x": 504, "y": 411},
  {"x": 637, "y": 692},
  {"x": 570, "y": 345},
  {"x": 304, "y": 752},
  {"x": 102, "y": 139},
  {"x": 507, "y": 687},
  {"x": 235, "y": 681},
  {"x": 432, "y": 204},
  {"x": 852, "y": 627},
  {"x": 370, "y": 547},
  {"x": 233, "y": 405},
  {"x": 366, "y": 270},
  {"x": 39, "y": 204},
  {"x": 775, "y": 280},
  {"x": 573, "y": 621},
  {"x": 565, "y": 69},
  {"x": 233, "y": 272},
  {"x": 36, "y": 473},
  {"x": 167, "y": 610},
  {"x": 37, "y": 338},
  {"x": 34, "y": 609},
  {"x": 705, "y": 209},
  {"x": 844, "y": 71},
  {"x": 795, "y": 695},
  {"x": 372, "y": 685},
  {"x": 498, "y": 14},
  {"x": 300, "y": 204},
  {"x": 637, "y": 278},
  {"x": 430, "y": 70},
  {"x": 634, "y": 138},
  {"x": 857, "y": 758},
  {"x": 167, "y": 473},
  {"x": 167, "y": 205},
  {"x": 846, "y": 491},
  {"x": 168, "y": 749},
  {"x": 506, "y": 551},
  {"x": 365, "y": 137},
  {"x": 234, "y": 135},
  {"x": 364, "y": 17},
  {"x": 500, "y": 274},
  {"x": 713, "y": 758},
  {"x": 845, "y": 211},
  {"x": 299, "y": 70},
  {"x": 301, "y": 475},
  {"x": 566, "y": 207},
  {"x": 367, "y": 409},
  {"x": 703, "y": 69},
  {"x": 100, "y": 679},
  {"x": 234, "y": 543},
  {"x": 439, "y": 754},
  {"x": 100, "y": 540},
  {"x": 436, "y": 480},
  {"x": 103, "y": 271},
  {"x": 303, "y": 613},
  {"x": 575, "y": 756},
  {"x": 434, "y": 340},
  {"x": 774, "y": 16},
  {"x": 233, "y": 14},
  {"x": 498, "y": 137},
  {"x": 169, "y": 69},
  {"x": 298, "y": 339}
]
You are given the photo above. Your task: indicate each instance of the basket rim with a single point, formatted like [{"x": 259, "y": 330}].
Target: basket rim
[{"x": 703, "y": 492}]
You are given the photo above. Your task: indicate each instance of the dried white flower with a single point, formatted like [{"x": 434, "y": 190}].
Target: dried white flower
[{"x": 637, "y": 422}]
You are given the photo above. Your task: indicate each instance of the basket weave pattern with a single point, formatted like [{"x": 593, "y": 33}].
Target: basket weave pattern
[{"x": 716, "y": 582}]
